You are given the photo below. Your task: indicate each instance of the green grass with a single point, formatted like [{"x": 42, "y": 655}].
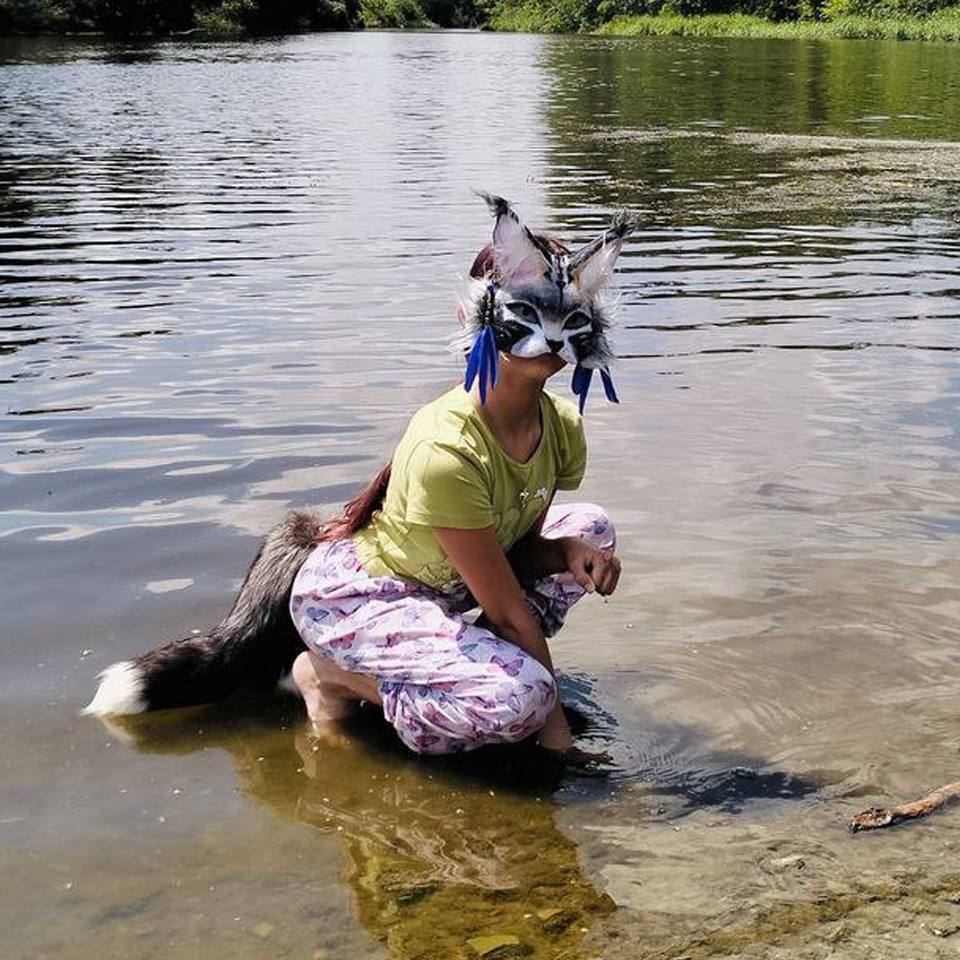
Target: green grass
[{"x": 942, "y": 25}]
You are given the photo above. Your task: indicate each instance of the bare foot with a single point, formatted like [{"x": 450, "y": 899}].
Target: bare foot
[
  {"x": 311, "y": 743},
  {"x": 325, "y": 699}
]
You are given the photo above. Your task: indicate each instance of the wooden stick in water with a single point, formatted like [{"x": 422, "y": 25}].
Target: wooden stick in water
[{"x": 877, "y": 817}]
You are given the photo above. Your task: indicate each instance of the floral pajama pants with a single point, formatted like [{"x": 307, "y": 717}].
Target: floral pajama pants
[{"x": 447, "y": 685}]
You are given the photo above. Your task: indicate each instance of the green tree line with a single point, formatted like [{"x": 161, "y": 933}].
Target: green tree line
[
  {"x": 258, "y": 17},
  {"x": 232, "y": 17},
  {"x": 578, "y": 15}
]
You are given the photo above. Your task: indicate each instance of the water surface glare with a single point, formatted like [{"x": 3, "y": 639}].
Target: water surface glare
[{"x": 228, "y": 273}]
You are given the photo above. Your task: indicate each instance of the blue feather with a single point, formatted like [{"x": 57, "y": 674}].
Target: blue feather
[
  {"x": 581, "y": 383},
  {"x": 473, "y": 362},
  {"x": 608, "y": 386},
  {"x": 492, "y": 356},
  {"x": 485, "y": 377},
  {"x": 482, "y": 363},
  {"x": 482, "y": 378},
  {"x": 577, "y": 381}
]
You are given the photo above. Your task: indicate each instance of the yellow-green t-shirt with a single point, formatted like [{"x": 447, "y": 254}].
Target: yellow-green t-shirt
[{"x": 450, "y": 471}]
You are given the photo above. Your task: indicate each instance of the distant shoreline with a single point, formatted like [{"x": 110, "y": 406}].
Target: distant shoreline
[{"x": 942, "y": 25}]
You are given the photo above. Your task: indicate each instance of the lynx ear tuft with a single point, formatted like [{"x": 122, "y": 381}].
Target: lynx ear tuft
[
  {"x": 516, "y": 256},
  {"x": 592, "y": 265}
]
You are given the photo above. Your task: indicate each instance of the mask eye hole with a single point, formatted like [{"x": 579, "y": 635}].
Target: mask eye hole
[
  {"x": 576, "y": 319},
  {"x": 524, "y": 311}
]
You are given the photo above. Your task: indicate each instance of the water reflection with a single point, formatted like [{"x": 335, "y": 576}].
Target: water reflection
[
  {"x": 437, "y": 853},
  {"x": 691, "y": 129},
  {"x": 451, "y": 856}
]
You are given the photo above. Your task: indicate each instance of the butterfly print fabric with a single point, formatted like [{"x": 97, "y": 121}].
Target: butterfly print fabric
[{"x": 447, "y": 685}]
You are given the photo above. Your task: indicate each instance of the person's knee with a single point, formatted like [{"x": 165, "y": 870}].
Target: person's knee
[
  {"x": 597, "y": 528},
  {"x": 525, "y": 709},
  {"x": 541, "y": 700}
]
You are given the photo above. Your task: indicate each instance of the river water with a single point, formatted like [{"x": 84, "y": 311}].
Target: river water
[{"x": 228, "y": 274}]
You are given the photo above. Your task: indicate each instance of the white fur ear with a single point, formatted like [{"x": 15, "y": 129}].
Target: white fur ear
[
  {"x": 592, "y": 266},
  {"x": 517, "y": 258}
]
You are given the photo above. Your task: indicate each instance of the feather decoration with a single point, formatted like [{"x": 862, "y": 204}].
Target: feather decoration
[
  {"x": 482, "y": 363},
  {"x": 473, "y": 361},
  {"x": 492, "y": 357},
  {"x": 608, "y": 386},
  {"x": 581, "y": 384}
]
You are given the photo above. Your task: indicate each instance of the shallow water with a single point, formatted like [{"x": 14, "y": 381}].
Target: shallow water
[{"x": 227, "y": 274}]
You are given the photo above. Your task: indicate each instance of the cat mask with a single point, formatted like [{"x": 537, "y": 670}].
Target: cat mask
[{"x": 537, "y": 300}]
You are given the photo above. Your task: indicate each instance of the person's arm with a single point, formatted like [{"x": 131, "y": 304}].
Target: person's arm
[
  {"x": 485, "y": 570},
  {"x": 535, "y": 556}
]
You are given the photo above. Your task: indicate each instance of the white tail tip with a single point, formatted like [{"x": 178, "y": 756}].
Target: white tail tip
[{"x": 120, "y": 691}]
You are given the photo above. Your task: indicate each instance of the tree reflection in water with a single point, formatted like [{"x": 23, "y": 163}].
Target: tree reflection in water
[{"x": 438, "y": 851}]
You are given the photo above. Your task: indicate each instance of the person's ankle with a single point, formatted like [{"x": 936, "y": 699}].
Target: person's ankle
[
  {"x": 554, "y": 743},
  {"x": 555, "y": 737}
]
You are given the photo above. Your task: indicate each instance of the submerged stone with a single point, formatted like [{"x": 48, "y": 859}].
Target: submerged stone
[
  {"x": 555, "y": 919},
  {"x": 548, "y": 913},
  {"x": 497, "y": 946},
  {"x": 783, "y": 864},
  {"x": 414, "y": 893}
]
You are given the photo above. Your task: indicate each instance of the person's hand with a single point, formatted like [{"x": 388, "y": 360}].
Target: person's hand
[{"x": 595, "y": 570}]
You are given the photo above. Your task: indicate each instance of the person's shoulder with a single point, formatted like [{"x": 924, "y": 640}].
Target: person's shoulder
[
  {"x": 443, "y": 468},
  {"x": 566, "y": 412},
  {"x": 446, "y": 423},
  {"x": 445, "y": 418},
  {"x": 453, "y": 403}
]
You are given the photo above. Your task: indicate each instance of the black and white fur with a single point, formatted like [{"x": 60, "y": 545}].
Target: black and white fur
[
  {"x": 254, "y": 646},
  {"x": 538, "y": 301}
]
